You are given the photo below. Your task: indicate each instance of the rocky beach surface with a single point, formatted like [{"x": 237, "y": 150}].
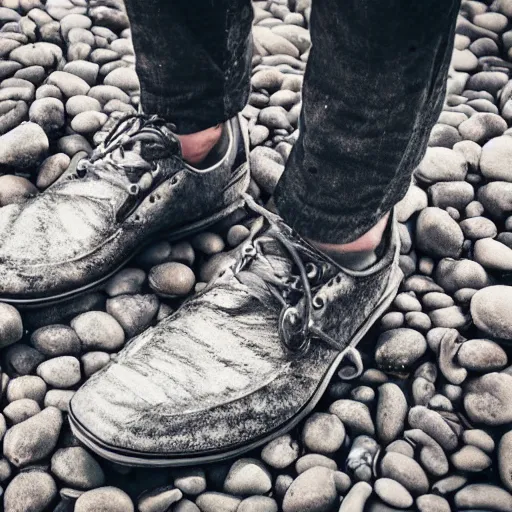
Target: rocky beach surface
[{"x": 427, "y": 427}]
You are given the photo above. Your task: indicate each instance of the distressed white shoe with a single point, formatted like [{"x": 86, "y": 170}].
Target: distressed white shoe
[
  {"x": 241, "y": 362},
  {"x": 106, "y": 207}
]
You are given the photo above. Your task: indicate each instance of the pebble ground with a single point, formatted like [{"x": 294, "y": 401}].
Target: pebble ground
[{"x": 428, "y": 425}]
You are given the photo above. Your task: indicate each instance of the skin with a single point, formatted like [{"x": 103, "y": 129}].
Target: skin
[{"x": 196, "y": 146}]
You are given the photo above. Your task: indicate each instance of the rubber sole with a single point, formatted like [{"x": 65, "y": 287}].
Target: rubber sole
[
  {"x": 176, "y": 235},
  {"x": 136, "y": 459}
]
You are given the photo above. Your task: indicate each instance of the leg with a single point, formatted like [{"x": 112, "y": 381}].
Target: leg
[
  {"x": 367, "y": 114},
  {"x": 193, "y": 59}
]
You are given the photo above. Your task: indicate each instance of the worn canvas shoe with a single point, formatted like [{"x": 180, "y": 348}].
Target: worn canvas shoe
[
  {"x": 107, "y": 207},
  {"x": 241, "y": 362}
]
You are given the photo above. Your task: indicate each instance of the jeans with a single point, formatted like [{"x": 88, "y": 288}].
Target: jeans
[{"x": 374, "y": 87}]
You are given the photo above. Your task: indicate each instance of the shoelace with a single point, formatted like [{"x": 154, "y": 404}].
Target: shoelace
[
  {"x": 114, "y": 163},
  {"x": 296, "y": 326}
]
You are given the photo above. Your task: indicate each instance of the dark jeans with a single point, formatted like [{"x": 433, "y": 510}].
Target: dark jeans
[{"x": 374, "y": 87}]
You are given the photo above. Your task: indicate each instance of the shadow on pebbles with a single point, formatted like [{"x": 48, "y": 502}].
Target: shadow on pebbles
[{"x": 426, "y": 427}]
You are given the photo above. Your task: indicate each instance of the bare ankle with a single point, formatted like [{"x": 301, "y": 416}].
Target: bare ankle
[
  {"x": 196, "y": 146},
  {"x": 367, "y": 242}
]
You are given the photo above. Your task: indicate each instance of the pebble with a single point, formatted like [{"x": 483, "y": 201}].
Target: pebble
[
  {"x": 481, "y": 355},
  {"x": 258, "y": 504},
  {"x": 171, "y": 279},
  {"x": 47, "y": 113},
  {"x": 437, "y": 234},
  {"x": 414, "y": 200},
  {"x": 21, "y": 410},
  {"x": 20, "y": 359},
  {"x": 281, "y": 452},
  {"x": 496, "y": 198},
  {"x": 159, "y": 499},
  {"x": 393, "y": 493},
  {"x": 443, "y": 135},
  {"x": 405, "y": 471},
  {"x": 479, "y": 438},
  {"x": 265, "y": 170},
  {"x": 391, "y": 412},
  {"x": 456, "y": 194},
  {"x": 477, "y": 227},
  {"x": 134, "y": 313},
  {"x": 483, "y": 496},
  {"x": 482, "y": 127},
  {"x": 33, "y": 439},
  {"x": 87, "y": 71},
  {"x": 493, "y": 255},
  {"x": 432, "y": 503},
  {"x": 248, "y": 477},
  {"x": 88, "y": 122},
  {"x": 436, "y": 300},
  {"x": 30, "y": 491},
  {"x": 126, "y": 281},
  {"x": 490, "y": 81},
  {"x": 208, "y": 243},
  {"x": 406, "y": 302},
  {"x": 354, "y": 415},
  {"x": 392, "y": 320},
  {"x": 106, "y": 93},
  {"x": 60, "y": 372},
  {"x": 491, "y": 311},
  {"x": 470, "y": 458},
  {"x": 418, "y": 321},
  {"x": 398, "y": 349},
  {"x": 98, "y": 331},
  {"x": 23, "y": 147},
  {"x": 433, "y": 424},
  {"x": 104, "y": 498},
  {"x": 487, "y": 399},
  {"x": 216, "y": 502},
  {"x": 441, "y": 164},
  {"x": 94, "y": 361},
  {"x": 11, "y": 325},
  {"x": 72, "y": 144},
  {"x": 56, "y": 340},
  {"x": 314, "y": 491},
  {"x": 15, "y": 189},
  {"x": 454, "y": 275},
  {"x": 323, "y": 433},
  {"x": 505, "y": 459},
  {"x": 364, "y": 394},
  {"x": 185, "y": 505},
  {"x": 52, "y": 169},
  {"x": 312, "y": 460},
  {"x": 431, "y": 455},
  {"x": 26, "y": 386},
  {"x": 191, "y": 481},
  {"x": 77, "y": 468},
  {"x": 12, "y": 113},
  {"x": 452, "y": 317},
  {"x": 58, "y": 398}
]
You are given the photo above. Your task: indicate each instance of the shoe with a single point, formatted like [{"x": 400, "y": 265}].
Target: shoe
[
  {"x": 109, "y": 206},
  {"x": 241, "y": 362}
]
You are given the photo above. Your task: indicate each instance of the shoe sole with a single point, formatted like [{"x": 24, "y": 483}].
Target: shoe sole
[
  {"x": 140, "y": 460},
  {"x": 178, "y": 234}
]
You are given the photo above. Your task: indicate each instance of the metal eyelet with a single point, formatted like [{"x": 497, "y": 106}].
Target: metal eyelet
[
  {"x": 291, "y": 331},
  {"x": 80, "y": 169},
  {"x": 318, "y": 302},
  {"x": 312, "y": 271}
]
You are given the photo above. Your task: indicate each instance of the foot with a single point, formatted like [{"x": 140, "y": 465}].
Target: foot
[
  {"x": 367, "y": 242},
  {"x": 242, "y": 361},
  {"x": 197, "y": 146},
  {"x": 108, "y": 205}
]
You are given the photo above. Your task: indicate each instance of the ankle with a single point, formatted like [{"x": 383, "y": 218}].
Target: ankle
[
  {"x": 367, "y": 242},
  {"x": 196, "y": 146}
]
